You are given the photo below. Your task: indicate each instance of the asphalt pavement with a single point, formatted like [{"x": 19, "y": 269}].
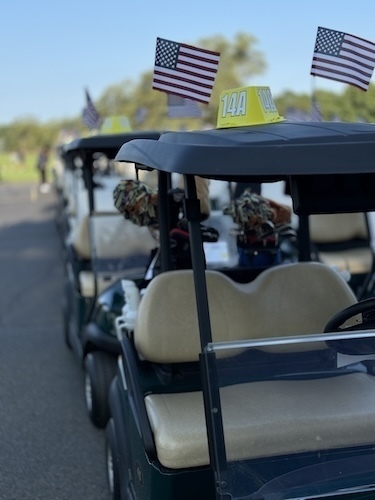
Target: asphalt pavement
[{"x": 49, "y": 450}]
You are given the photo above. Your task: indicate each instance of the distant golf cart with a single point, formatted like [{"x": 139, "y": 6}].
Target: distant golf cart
[
  {"x": 83, "y": 183},
  {"x": 250, "y": 391},
  {"x": 101, "y": 248}
]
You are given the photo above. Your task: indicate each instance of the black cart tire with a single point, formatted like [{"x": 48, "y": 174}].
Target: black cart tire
[
  {"x": 99, "y": 369},
  {"x": 112, "y": 461}
]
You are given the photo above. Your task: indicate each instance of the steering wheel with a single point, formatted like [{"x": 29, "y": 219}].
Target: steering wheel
[
  {"x": 364, "y": 307},
  {"x": 357, "y": 345}
]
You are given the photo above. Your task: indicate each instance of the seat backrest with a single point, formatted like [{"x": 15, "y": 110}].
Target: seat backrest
[
  {"x": 285, "y": 300},
  {"x": 80, "y": 238},
  {"x": 335, "y": 228},
  {"x": 113, "y": 236}
]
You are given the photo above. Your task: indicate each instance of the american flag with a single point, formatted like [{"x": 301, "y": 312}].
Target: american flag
[
  {"x": 185, "y": 70},
  {"x": 180, "y": 107},
  {"x": 90, "y": 115},
  {"x": 343, "y": 57}
]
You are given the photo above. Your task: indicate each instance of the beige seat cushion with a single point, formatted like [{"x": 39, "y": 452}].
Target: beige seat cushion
[
  {"x": 87, "y": 283},
  {"x": 80, "y": 238},
  {"x": 260, "y": 418},
  {"x": 202, "y": 187},
  {"x": 284, "y": 300},
  {"x": 113, "y": 236},
  {"x": 356, "y": 260},
  {"x": 267, "y": 419},
  {"x": 338, "y": 228},
  {"x": 333, "y": 228}
]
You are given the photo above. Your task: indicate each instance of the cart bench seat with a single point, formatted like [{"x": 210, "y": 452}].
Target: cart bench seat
[
  {"x": 268, "y": 418},
  {"x": 290, "y": 299},
  {"x": 106, "y": 238},
  {"x": 261, "y": 418},
  {"x": 336, "y": 230},
  {"x": 356, "y": 260}
]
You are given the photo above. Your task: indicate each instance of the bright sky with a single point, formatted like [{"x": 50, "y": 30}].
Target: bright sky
[{"x": 50, "y": 51}]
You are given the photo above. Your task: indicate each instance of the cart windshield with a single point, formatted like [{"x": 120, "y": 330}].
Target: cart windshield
[{"x": 291, "y": 417}]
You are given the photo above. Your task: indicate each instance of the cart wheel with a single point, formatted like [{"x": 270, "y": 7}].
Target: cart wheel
[
  {"x": 100, "y": 368},
  {"x": 112, "y": 461}
]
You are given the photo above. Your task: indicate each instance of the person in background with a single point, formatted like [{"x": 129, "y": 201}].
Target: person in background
[{"x": 42, "y": 162}]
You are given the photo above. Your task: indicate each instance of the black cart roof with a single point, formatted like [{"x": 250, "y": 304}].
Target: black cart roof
[
  {"x": 108, "y": 144},
  {"x": 265, "y": 151},
  {"x": 330, "y": 166}
]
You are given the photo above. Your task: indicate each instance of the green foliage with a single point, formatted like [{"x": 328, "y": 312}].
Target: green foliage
[
  {"x": 351, "y": 105},
  {"x": 22, "y": 134},
  {"x": 115, "y": 98}
]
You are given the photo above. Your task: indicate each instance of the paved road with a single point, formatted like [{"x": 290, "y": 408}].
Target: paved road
[{"x": 49, "y": 450}]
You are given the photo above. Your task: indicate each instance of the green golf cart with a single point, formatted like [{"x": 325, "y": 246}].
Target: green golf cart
[
  {"x": 256, "y": 390},
  {"x": 101, "y": 247}
]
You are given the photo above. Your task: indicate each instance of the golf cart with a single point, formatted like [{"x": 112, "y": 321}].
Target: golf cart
[
  {"x": 66, "y": 191},
  {"x": 88, "y": 183},
  {"x": 101, "y": 247},
  {"x": 255, "y": 391}
]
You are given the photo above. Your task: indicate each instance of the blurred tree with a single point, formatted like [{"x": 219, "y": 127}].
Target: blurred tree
[
  {"x": 24, "y": 135},
  {"x": 351, "y": 105},
  {"x": 115, "y": 98}
]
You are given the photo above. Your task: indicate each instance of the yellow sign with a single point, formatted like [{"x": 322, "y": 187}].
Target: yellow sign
[
  {"x": 247, "y": 106},
  {"x": 115, "y": 125}
]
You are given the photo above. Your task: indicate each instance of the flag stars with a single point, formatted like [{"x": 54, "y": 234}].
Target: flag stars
[
  {"x": 328, "y": 41},
  {"x": 166, "y": 53}
]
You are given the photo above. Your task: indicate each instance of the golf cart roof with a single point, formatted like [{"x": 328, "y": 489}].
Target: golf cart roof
[
  {"x": 87, "y": 149},
  {"x": 309, "y": 155},
  {"x": 267, "y": 151},
  {"x": 109, "y": 144}
]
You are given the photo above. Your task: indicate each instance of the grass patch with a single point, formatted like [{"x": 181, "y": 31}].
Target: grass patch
[{"x": 14, "y": 169}]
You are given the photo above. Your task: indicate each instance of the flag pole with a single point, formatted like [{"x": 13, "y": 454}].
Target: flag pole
[
  {"x": 313, "y": 90},
  {"x": 315, "y": 113}
]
